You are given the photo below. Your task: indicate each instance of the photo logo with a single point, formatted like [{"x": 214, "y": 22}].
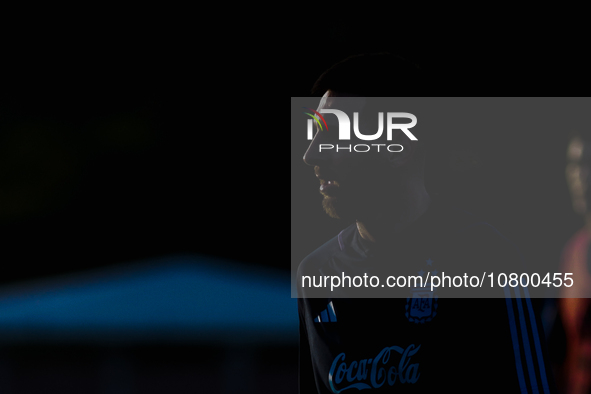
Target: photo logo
[{"x": 345, "y": 129}]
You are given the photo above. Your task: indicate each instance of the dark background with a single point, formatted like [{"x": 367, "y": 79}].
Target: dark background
[
  {"x": 111, "y": 152},
  {"x": 99, "y": 157}
]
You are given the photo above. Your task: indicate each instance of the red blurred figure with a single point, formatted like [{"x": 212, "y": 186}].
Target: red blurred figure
[{"x": 574, "y": 312}]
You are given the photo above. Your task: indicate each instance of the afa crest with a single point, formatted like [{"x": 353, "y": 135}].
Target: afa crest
[{"x": 422, "y": 307}]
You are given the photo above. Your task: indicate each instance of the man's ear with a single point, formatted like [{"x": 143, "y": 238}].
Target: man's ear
[{"x": 401, "y": 150}]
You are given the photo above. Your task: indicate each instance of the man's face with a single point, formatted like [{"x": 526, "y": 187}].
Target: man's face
[
  {"x": 578, "y": 174},
  {"x": 355, "y": 185}
]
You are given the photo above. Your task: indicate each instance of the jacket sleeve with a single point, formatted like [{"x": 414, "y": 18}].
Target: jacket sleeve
[{"x": 529, "y": 342}]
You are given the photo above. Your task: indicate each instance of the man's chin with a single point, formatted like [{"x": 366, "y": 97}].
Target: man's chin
[
  {"x": 330, "y": 207},
  {"x": 351, "y": 208}
]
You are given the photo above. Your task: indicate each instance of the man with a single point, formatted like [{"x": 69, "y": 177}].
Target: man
[
  {"x": 418, "y": 341},
  {"x": 571, "y": 333}
]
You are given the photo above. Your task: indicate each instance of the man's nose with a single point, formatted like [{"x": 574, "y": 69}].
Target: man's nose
[{"x": 313, "y": 156}]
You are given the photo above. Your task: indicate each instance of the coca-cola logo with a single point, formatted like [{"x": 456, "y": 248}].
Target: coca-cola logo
[{"x": 374, "y": 373}]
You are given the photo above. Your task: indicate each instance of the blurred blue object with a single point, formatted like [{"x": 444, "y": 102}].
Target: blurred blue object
[{"x": 192, "y": 299}]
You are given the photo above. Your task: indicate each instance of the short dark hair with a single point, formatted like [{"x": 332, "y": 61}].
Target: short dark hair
[
  {"x": 381, "y": 74},
  {"x": 371, "y": 75}
]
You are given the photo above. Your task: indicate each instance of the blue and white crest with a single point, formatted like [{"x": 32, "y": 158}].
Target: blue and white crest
[{"x": 422, "y": 306}]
